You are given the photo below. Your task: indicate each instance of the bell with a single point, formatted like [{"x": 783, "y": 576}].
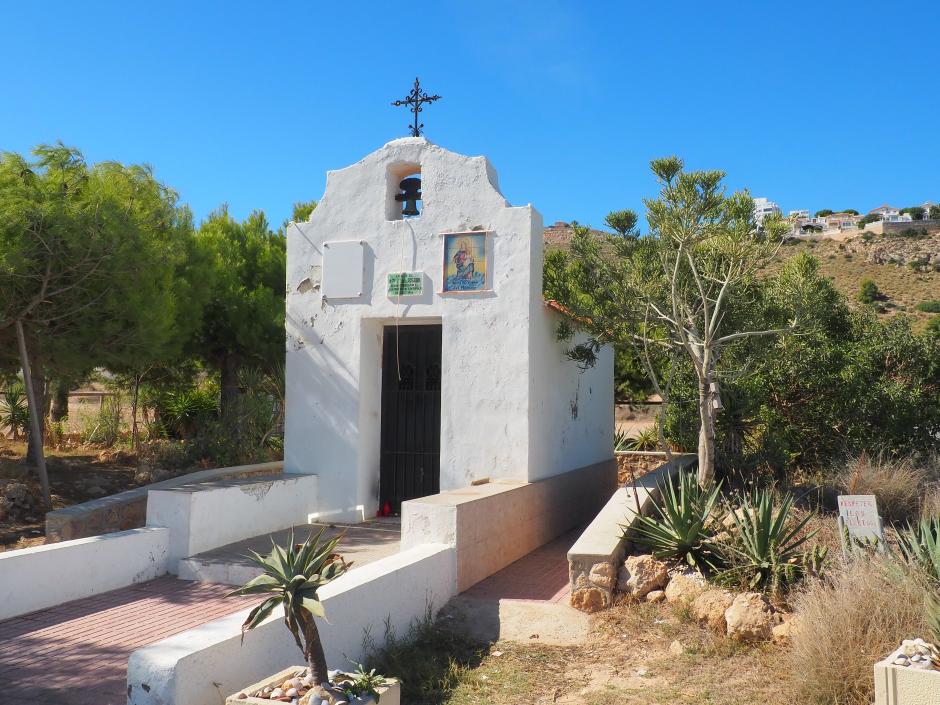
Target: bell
[{"x": 410, "y": 195}]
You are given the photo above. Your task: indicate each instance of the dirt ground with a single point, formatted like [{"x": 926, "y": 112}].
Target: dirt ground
[
  {"x": 75, "y": 475},
  {"x": 636, "y": 654}
]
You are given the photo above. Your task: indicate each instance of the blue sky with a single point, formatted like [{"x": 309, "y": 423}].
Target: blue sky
[{"x": 814, "y": 104}]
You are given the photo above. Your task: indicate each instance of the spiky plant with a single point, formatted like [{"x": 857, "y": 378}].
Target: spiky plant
[
  {"x": 680, "y": 527},
  {"x": 292, "y": 578},
  {"x": 766, "y": 550},
  {"x": 14, "y": 412},
  {"x": 920, "y": 547},
  {"x": 647, "y": 439}
]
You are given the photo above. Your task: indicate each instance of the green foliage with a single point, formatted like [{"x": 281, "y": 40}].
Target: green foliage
[
  {"x": 869, "y": 292},
  {"x": 183, "y": 411},
  {"x": 104, "y": 428},
  {"x": 933, "y": 327},
  {"x": 931, "y": 306},
  {"x": 909, "y": 233},
  {"x": 243, "y": 322},
  {"x": 681, "y": 527},
  {"x": 919, "y": 545},
  {"x": 934, "y": 213},
  {"x": 14, "y": 412},
  {"x": 850, "y": 380},
  {"x": 361, "y": 683},
  {"x": 623, "y": 222},
  {"x": 647, "y": 439},
  {"x": 291, "y": 579},
  {"x": 766, "y": 549},
  {"x": 823, "y": 213},
  {"x": 916, "y": 212},
  {"x": 301, "y": 211},
  {"x": 866, "y": 219}
]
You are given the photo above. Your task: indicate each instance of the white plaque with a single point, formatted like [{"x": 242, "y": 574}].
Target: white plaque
[
  {"x": 343, "y": 270},
  {"x": 859, "y": 514}
]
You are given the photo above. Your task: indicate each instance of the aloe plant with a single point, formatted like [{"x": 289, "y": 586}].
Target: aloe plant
[
  {"x": 681, "y": 525},
  {"x": 292, "y": 578},
  {"x": 766, "y": 551},
  {"x": 920, "y": 546}
]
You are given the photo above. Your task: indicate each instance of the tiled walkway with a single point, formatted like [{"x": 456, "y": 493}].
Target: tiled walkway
[
  {"x": 541, "y": 576},
  {"x": 76, "y": 653}
]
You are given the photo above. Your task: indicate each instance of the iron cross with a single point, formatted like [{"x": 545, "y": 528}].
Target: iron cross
[{"x": 415, "y": 100}]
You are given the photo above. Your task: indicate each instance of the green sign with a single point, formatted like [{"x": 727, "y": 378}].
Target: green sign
[{"x": 405, "y": 284}]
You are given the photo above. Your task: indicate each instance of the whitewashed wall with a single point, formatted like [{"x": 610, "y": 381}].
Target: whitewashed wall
[
  {"x": 204, "y": 665},
  {"x": 495, "y": 393},
  {"x": 44, "y": 576},
  {"x": 202, "y": 517}
]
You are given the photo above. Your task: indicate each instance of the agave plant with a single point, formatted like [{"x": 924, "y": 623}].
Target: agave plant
[
  {"x": 766, "y": 550},
  {"x": 681, "y": 527},
  {"x": 647, "y": 439},
  {"x": 920, "y": 547},
  {"x": 292, "y": 578},
  {"x": 14, "y": 412}
]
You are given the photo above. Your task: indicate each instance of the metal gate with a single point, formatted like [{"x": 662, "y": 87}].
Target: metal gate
[{"x": 410, "y": 464}]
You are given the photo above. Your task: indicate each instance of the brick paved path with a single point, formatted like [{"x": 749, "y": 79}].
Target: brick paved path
[
  {"x": 541, "y": 576},
  {"x": 76, "y": 653}
]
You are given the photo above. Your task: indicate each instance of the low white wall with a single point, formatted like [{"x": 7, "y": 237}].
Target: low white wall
[
  {"x": 204, "y": 516},
  {"x": 204, "y": 665},
  {"x": 43, "y": 576}
]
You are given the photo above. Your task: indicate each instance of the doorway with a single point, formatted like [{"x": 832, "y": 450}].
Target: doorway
[{"x": 410, "y": 448}]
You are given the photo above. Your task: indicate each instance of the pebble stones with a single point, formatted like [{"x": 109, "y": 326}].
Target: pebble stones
[{"x": 916, "y": 653}]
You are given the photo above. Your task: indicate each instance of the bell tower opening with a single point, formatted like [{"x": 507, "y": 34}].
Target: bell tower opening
[{"x": 404, "y": 192}]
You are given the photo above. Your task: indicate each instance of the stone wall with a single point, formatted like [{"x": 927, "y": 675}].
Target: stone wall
[{"x": 128, "y": 510}]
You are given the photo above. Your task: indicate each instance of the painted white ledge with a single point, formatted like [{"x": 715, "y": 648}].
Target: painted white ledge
[
  {"x": 205, "y": 515},
  {"x": 44, "y": 576},
  {"x": 204, "y": 665}
]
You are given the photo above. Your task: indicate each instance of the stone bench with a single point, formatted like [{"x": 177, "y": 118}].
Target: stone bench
[
  {"x": 596, "y": 556},
  {"x": 128, "y": 509}
]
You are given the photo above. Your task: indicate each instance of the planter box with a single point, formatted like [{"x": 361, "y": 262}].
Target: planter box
[
  {"x": 388, "y": 695},
  {"x": 902, "y": 685}
]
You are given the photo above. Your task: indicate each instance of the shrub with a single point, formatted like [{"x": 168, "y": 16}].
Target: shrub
[
  {"x": 897, "y": 483},
  {"x": 848, "y": 622},
  {"x": 869, "y": 292},
  {"x": 681, "y": 528},
  {"x": 930, "y": 306},
  {"x": 765, "y": 551},
  {"x": 104, "y": 429},
  {"x": 647, "y": 439}
]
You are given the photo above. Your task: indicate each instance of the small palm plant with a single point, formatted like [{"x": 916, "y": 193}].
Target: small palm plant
[
  {"x": 681, "y": 527},
  {"x": 292, "y": 578}
]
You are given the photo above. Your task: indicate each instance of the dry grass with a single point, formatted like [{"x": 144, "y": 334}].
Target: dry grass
[
  {"x": 847, "y": 623},
  {"x": 898, "y": 483},
  {"x": 903, "y": 287}
]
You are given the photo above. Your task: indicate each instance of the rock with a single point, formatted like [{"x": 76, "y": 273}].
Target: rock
[
  {"x": 782, "y": 633},
  {"x": 640, "y": 575},
  {"x": 143, "y": 477},
  {"x": 655, "y": 596},
  {"x": 310, "y": 698},
  {"x": 581, "y": 581},
  {"x": 241, "y": 696},
  {"x": 589, "y": 600},
  {"x": 105, "y": 456},
  {"x": 277, "y": 692},
  {"x": 750, "y": 618},
  {"x": 603, "y": 576},
  {"x": 676, "y": 648},
  {"x": 709, "y": 608},
  {"x": 96, "y": 491},
  {"x": 292, "y": 693},
  {"x": 684, "y": 587}
]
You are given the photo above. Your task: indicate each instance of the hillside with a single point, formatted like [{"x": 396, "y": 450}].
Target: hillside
[{"x": 889, "y": 261}]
